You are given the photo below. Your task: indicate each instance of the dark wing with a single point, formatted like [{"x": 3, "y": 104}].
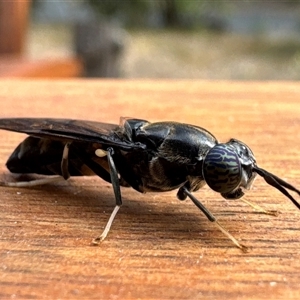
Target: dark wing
[{"x": 70, "y": 130}]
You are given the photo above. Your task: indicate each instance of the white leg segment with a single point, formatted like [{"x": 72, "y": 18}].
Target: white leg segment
[
  {"x": 31, "y": 183},
  {"x": 103, "y": 235}
]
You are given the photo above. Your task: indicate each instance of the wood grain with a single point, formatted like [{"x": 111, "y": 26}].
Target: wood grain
[{"x": 159, "y": 247}]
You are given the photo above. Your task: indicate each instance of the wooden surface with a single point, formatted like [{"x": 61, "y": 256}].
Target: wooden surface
[
  {"x": 11, "y": 66},
  {"x": 159, "y": 247},
  {"x": 13, "y": 26}
]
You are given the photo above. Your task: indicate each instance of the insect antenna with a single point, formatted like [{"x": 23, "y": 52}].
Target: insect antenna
[{"x": 278, "y": 183}]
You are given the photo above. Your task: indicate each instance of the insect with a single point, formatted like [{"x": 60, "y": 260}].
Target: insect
[{"x": 149, "y": 157}]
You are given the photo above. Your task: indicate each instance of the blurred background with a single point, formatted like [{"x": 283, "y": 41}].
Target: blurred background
[{"x": 238, "y": 40}]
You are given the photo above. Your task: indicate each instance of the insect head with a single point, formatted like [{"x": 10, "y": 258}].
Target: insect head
[{"x": 230, "y": 168}]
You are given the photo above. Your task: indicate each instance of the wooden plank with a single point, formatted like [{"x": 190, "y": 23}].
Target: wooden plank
[
  {"x": 55, "y": 68},
  {"x": 13, "y": 26},
  {"x": 159, "y": 247}
]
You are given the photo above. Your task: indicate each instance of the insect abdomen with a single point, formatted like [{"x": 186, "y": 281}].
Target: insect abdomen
[{"x": 36, "y": 155}]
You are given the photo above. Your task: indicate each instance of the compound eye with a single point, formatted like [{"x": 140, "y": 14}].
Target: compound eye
[{"x": 222, "y": 169}]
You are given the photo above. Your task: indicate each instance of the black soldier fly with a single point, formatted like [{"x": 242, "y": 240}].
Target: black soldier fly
[{"x": 149, "y": 157}]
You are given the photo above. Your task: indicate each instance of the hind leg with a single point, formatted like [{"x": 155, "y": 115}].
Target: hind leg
[{"x": 42, "y": 181}]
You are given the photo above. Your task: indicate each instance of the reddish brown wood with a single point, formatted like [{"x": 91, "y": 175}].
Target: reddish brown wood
[
  {"x": 159, "y": 247},
  {"x": 13, "y": 25},
  {"x": 13, "y": 28},
  {"x": 55, "y": 68}
]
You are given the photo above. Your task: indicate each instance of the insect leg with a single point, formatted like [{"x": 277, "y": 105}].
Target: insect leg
[
  {"x": 65, "y": 162},
  {"x": 213, "y": 219},
  {"x": 117, "y": 192},
  {"x": 42, "y": 181},
  {"x": 32, "y": 183},
  {"x": 260, "y": 209}
]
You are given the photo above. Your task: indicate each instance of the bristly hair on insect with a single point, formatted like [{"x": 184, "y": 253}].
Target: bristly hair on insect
[{"x": 149, "y": 157}]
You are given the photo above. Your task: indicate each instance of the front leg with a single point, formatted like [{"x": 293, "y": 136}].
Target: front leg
[{"x": 184, "y": 192}]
